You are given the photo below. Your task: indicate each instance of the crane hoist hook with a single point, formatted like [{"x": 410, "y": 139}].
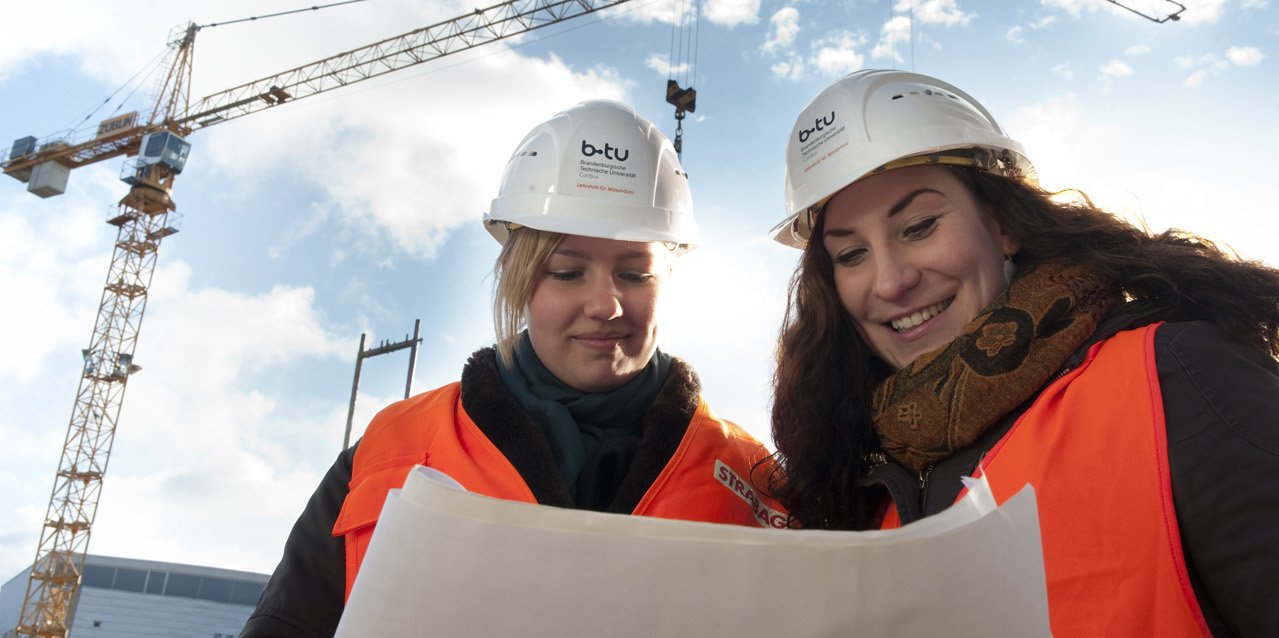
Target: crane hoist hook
[{"x": 684, "y": 101}]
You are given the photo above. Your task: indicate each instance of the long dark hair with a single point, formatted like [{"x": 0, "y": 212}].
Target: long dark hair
[{"x": 825, "y": 373}]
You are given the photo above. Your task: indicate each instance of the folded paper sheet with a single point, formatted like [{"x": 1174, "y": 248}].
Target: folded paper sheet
[{"x": 444, "y": 562}]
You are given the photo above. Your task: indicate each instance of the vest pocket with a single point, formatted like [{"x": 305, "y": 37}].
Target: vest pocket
[{"x": 364, "y": 502}]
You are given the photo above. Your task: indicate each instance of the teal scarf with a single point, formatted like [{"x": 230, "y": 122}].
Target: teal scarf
[{"x": 577, "y": 424}]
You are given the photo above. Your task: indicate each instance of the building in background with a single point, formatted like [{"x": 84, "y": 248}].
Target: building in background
[{"x": 128, "y": 598}]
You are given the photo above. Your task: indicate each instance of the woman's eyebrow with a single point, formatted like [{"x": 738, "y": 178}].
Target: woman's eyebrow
[
  {"x": 580, "y": 254},
  {"x": 905, "y": 201},
  {"x": 896, "y": 208}
]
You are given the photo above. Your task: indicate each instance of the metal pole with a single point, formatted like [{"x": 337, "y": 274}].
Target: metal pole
[
  {"x": 355, "y": 387},
  {"x": 382, "y": 348},
  {"x": 417, "y": 330}
]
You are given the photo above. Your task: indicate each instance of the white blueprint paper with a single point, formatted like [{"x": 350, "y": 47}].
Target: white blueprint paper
[{"x": 444, "y": 562}]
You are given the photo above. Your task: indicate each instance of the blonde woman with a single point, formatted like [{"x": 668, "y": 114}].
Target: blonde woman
[{"x": 575, "y": 406}]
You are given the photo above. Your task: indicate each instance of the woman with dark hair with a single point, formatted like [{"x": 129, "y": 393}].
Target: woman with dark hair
[{"x": 949, "y": 318}]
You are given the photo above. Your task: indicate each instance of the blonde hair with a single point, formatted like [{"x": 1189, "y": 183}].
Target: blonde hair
[{"x": 515, "y": 274}]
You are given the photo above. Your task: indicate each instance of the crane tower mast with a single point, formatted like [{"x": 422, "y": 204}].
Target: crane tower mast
[{"x": 147, "y": 214}]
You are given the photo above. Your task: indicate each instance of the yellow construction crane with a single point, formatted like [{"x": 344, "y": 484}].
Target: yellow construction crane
[{"x": 146, "y": 215}]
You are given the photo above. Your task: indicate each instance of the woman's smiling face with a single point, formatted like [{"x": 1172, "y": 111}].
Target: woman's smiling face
[
  {"x": 592, "y": 318},
  {"x": 914, "y": 258}
]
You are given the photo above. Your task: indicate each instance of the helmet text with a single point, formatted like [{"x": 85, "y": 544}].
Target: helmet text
[
  {"x": 609, "y": 151},
  {"x": 818, "y": 124}
]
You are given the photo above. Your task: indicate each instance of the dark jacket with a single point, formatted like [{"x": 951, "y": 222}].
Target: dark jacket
[
  {"x": 304, "y": 597},
  {"x": 1221, "y": 407}
]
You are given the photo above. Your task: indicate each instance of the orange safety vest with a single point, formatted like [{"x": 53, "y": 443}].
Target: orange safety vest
[
  {"x": 706, "y": 478},
  {"x": 1094, "y": 446}
]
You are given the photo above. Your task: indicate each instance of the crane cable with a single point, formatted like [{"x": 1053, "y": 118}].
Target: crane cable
[
  {"x": 147, "y": 70},
  {"x": 685, "y": 30},
  {"x": 893, "y": 7},
  {"x": 276, "y": 15}
]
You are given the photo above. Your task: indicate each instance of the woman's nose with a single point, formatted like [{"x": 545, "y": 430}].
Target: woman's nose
[
  {"x": 603, "y": 300},
  {"x": 894, "y": 275}
]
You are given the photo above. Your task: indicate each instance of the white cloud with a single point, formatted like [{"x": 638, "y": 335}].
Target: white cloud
[
  {"x": 1187, "y": 62},
  {"x": 782, "y": 29},
  {"x": 1200, "y": 67},
  {"x": 1044, "y": 22},
  {"x": 831, "y": 56},
  {"x": 78, "y": 32},
  {"x": 1254, "y": 4},
  {"x": 1063, "y": 70},
  {"x": 732, "y": 12},
  {"x": 231, "y": 334},
  {"x": 943, "y": 12},
  {"x": 1201, "y": 12},
  {"x": 1015, "y": 35},
  {"x": 1137, "y": 49},
  {"x": 660, "y": 63},
  {"x": 1245, "y": 56},
  {"x": 113, "y": 54},
  {"x": 1116, "y": 69},
  {"x": 1073, "y": 7},
  {"x": 1195, "y": 79},
  {"x": 838, "y": 56},
  {"x": 399, "y": 167},
  {"x": 896, "y": 31},
  {"x": 52, "y": 269},
  {"x": 1090, "y": 145},
  {"x": 648, "y": 12},
  {"x": 1069, "y": 151},
  {"x": 792, "y": 70}
]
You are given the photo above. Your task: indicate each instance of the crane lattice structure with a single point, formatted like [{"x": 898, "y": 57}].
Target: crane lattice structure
[{"x": 147, "y": 214}]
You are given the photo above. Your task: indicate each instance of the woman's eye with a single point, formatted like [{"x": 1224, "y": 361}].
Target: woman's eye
[
  {"x": 564, "y": 275},
  {"x": 851, "y": 257},
  {"x": 921, "y": 228},
  {"x": 636, "y": 277}
]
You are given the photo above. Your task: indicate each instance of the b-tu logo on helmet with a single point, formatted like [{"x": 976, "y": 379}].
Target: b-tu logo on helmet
[
  {"x": 818, "y": 124},
  {"x": 610, "y": 152}
]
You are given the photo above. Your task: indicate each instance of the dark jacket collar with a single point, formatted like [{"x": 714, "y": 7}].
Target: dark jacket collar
[{"x": 499, "y": 416}]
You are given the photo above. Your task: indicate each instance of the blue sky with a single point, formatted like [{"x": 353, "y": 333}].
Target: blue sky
[{"x": 357, "y": 210}]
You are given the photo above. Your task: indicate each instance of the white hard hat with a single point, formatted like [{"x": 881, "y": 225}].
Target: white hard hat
[
  {"x": 875, "y": 120},
  {"x": 598, "y": 170}
]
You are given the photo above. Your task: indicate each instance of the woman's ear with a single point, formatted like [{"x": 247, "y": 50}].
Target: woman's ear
[{"x": 1008, "y": 244}]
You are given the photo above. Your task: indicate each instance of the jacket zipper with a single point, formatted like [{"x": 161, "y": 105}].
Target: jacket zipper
[{"x": 924, "y": 476}]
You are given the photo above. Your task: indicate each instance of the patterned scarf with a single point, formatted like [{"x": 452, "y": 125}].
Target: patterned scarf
[{"x": 945, "y": 399}]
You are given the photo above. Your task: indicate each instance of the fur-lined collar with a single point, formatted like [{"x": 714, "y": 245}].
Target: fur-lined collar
[{"x": 499, "y": 416}]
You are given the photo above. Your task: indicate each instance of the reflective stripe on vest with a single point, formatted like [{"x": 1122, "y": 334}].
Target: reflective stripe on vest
[
  {"x": 1094, "y": 446},
  {"x": 705, "y": 480}
]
